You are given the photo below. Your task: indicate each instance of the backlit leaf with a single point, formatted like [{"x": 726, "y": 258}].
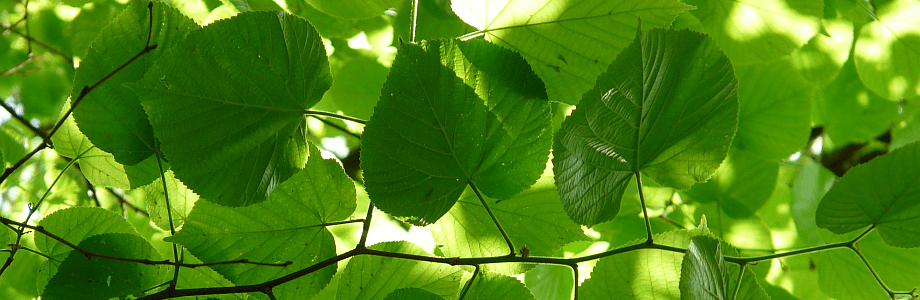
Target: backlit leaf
[
  {"x": 887, "y": 52},
  {"x": 489, "y": 286},
  {"x": 667, "y": 107},
  {"x": 702, "y": 274},
  {"x": 532, "y": 219},
  {"x": 225, "y": 103},
  {"x": 354, "y": 9},
  {"x": 373, "y": 277},
  {"x": 752, "y": 31}
]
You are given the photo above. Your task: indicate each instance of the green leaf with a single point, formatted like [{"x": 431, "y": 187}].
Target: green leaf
[
  {"x": 357, "y": 87},
  {"x": 667, "y": 106},
  {"x": 412, "y": 294},
  {"x": 887, "y": 51},
  {"x": 850, "y": 111},
  {"x": 100, "y": 167},
  {"x": 746, "y": 232},
  {"x": 567, "y": 43},
  {"x": 489, "y": 286},
  {"x": 534, "y": 219},
  {"x": 702, "y": 272},
  {"x": 775, "y": 113},
  {"x": 642, "y": 274},
  {"x": 354, "y": 9},
  {"x": 821, "y": 58},
  {"x": 83, "y": 278},
  {"x": 656, "y": 274},
  {"x": 843, "y": 275},
  {"x": 373, "y": 277},
  {"x": 741, "y": 185},
  {"x": 810, "y": 185},
  {"x": 112, "y": 116},
  {"x": 230, "y": 140},
  {"x": 77, "y": 224},
  {"x": 550, "y": 282},
  {"x": 752, "y": 31},
  {"x": 287, "y": 227},
  {"x": 454, "y": 114},
  {"x": 90, "y": 22},
  {"x": 181, "y": 201},
  {"x": 882, "y": 193},
  {"x": 254, "y": 5},
  {"x": 437, "y": 21}
]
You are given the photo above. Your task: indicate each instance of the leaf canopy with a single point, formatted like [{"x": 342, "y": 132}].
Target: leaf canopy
[
  {"x": 887, "y": 51},
  {"x": 450, "y": 117},
  {"x": 882, "y": 193},
  {"x": 112, "y": 116},
  {"x": 558, "y": 38},
  {"x": 752, "y": 31},
  {"x": 668, "y": 107},
  {"x": 226, "y": 103}
]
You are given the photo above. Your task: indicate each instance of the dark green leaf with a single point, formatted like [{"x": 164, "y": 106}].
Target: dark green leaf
[
  {"x": 83, "y": 278},
  {"x": 568, "y": 43},
  {"x": 373, "y": 277},
  {"x": 702, "y": 272},
  {"x": 882, "y": 193},
  {"x": 287, "y": 227},
  {"x": 111, "y": 116},
  {"x": 453, "y": 114},
  {"x": 226, "y": 101},
  {"x": 667, "y": 106},
  {"x": 843, "y": 275}
]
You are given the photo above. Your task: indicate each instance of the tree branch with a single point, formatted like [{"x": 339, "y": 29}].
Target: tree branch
[{"x": 90, "y": 254}]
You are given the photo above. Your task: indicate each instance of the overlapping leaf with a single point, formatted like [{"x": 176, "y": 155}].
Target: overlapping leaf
[
  {"x": 655, "y": 274},
  {"x": 741, "y": 185},
  {"x": 568, "y": 43},
  {"x": 100, "y": 167},
  {"x": 534, "y": 219},
  {"x": 842, "y": 274},
  {"x": 287, "y": 227},
  {"x": 374, "y": 277},
  {"x": 453, "y": 114},
  {"x": 354, "y": 9},
  {"x": 81, "y": 278},
  {"x": 668, "y": 107},
  {"x": 850, "y": 111},
  {"x": 882, "y": 193},
  {"x": 226, "y": 103},
  {"x": 752, "y": 31},
  {"x": 180, "y": 201},
  {"x": 702, "y": 272},
  {"x": 887, "y": 52},
  {"x": 112, "y": 116}
]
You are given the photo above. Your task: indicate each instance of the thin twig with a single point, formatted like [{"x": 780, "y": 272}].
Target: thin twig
[
  {"x": 14, "y": 69},
  {"x": 336, "y": 126},
  {"x": 31, "y": 40},
  {"x": 90, "y": 254},
  {"x": 494, "y": 219},
  {"x": 362, "y": 243},
  {"x": 466, "y": 287},
  {"x": 738, "y": 284},
  {"x": 414, "y": 23},
  {"x": 121, "y": 200},
  {"x": 334, "y": 115},
  {"x": 21, "y": 119},
  {"x": 648, "y": 225}
]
